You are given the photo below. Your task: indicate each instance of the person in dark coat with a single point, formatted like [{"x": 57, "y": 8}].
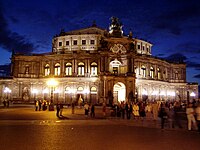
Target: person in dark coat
[
  {"x": 128, "y": 110},
  {"x": 58, "y": 110},
  {"x": 163, "y": 115},
  {"x": 92, "y": 113}
]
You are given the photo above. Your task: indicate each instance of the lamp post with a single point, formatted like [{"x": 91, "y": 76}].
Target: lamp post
[{"x": 52, "y": 83}]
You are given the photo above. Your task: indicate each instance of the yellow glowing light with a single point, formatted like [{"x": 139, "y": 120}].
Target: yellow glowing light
[
  {"x": 52, "y": 83},
  {"x": 34, "y": 91}
]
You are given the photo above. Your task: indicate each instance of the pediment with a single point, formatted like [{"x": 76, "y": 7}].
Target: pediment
[{"x": 90, "y": 30}]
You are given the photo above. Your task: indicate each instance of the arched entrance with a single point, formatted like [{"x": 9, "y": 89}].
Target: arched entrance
[{"x": 119, "y": 92}]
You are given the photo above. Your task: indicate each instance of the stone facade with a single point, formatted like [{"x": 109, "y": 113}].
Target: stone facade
[{"x": 99, "y": 66}]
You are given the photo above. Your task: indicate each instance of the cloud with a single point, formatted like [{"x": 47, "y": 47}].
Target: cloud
[
  {"x": 197, "y": 76},
  {"x": 174, "y": 19},
  {"x": 189, "y": 47},
  {"x": 193, "y": 65},
  {"x": 11, "y": 40},
  {"x": 177, "y": 57}
]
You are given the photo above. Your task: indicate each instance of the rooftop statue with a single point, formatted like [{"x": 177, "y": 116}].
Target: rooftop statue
[{"x": 115, "y": 28}]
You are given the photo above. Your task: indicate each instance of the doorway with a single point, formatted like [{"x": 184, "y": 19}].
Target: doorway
[{"x": 119, "y": 92}]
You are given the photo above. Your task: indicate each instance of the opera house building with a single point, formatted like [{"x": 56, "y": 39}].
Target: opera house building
[{"x": 98, "y": 65}]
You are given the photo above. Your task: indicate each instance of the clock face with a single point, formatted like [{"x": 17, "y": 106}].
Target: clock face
[{"x": 117, "y": 48}]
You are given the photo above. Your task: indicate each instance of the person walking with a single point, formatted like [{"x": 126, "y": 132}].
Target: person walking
[
  {"x": 190, "y": 116},
  {"x": 198, "y": 116}
]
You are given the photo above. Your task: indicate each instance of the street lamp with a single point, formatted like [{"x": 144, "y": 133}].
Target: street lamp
[
  {"x": 52, "y": 83},
  {"x": 7, "y": 91},
  {"x": 34, "y": 91}
]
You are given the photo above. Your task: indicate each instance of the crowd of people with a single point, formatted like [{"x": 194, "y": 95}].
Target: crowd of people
[{"x": 168, "y": 112}]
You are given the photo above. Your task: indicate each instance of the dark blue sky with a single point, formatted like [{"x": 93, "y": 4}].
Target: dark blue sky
[{"x": 172, "y": 26}]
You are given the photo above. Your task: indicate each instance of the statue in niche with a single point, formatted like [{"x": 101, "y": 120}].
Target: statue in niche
[{"x": 25, "y": 94}]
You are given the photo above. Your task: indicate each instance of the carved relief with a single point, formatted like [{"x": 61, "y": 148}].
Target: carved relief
[{"x": 118, "y": 48}]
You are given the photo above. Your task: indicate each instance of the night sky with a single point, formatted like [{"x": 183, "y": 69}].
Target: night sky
[{"x": 172, "y": 26}]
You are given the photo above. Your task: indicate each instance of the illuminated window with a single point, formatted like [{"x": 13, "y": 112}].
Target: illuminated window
[
  {"x": 46, "y": 70},
  {"x": 93, "y": 90},
  {"x": 94, "y": 69},
  {"x": 68, "y": 69},
  {"x": 143, "y": 69},
  {"x": 83, "y": 42},
  {"x": 75, "y": 42},
  {"x": 152, "y": 72},
  {"x": 67, "y": 43},
  {"x": 142, "y": 47},
  {"x": 57, "y": 69},
  {"x": 81, "y": 68},
  {"x": 159, "y": 74},
  {"x": 92, "y": 42},
  {"x": 60, "y": 43}
]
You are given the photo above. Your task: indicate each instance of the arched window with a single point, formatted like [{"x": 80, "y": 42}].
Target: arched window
[
  {"x": 81, "y": 68},
  {"x": 57, "y": 69},
  {"x": 93, "y": 69},
  {"x": 152, "y": 72},
  {"x": 46, "y": 70},
  {"x": 93, "y": 90},
  {"x": 68, "y": 69},
  {"x": 159, "y": 74},
  {"x": 115, "y": 64},
  {"x": 143, "y": 69}
]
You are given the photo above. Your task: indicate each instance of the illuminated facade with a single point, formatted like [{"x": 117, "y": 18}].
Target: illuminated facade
[{"x": 101, "y": 66}]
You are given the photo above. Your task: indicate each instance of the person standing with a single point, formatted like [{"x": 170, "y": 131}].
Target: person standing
[
  {"x": 198, "y": 116},
  {"x": 155, "y": 110},
  {"x": 104, "y": 109},
  {"x": 4, "y": 103},
  {"x": 40, "y": 104},
  {"x": 122, "y": 106},
  {"x": 92, "y": 114},
  {"x": 36, "y": 105},
  {"x": 190, "y": 116},
  {"x": 86, "y": 107},
  {"x": 128, "y": 110},
  {"x": 136, "y": 111},
  {"x": 61, "y": 110},
  {"x": 73, "y": 105},
  {"x": 162, "y": 115},
  {"x": 58, "y": 110}
]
